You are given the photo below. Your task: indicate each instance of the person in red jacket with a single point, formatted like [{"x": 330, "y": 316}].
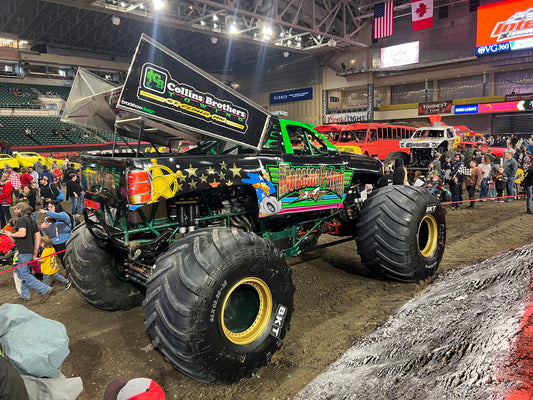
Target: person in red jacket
[
  {"x": 25, "y": 177},
  {"x": 5, "y": 199}
]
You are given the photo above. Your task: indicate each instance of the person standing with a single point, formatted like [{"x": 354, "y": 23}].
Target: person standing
[
  {"x": 458, "y": 171},
  {"x": 500, "y": 180},
  {"x": 528, "y": 185},
  {"x": 473, "y": 181},
  {"x": 75, "y": 193},
  {"x": 510, "y": 166},
  {"x": 25, "y": 177},
  {"x": 485, "y": 169},
  {"x": 49, "y": 191},
  {"x": 46, "y": 172},
  {"x": 14, "y": 179},
  {"x": 5, "y": 199},
  {"x": 28, "y": 240},
  {"x": 38, "y": 166},
  {"x": 33, "y": 174},
  {"x": 399, "y": 176}
]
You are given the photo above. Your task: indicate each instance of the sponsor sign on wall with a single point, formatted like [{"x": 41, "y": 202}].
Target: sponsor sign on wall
[
  {"x": 435, "y": 107},
  {"x": 505, "y": 106},
  {"x": 504, "y": 26},
  {"x": 345, "y": 118},
  {"x": 291, "y": 95}
]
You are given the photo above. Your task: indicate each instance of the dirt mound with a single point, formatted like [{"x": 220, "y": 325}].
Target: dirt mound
[{"x": 453, "y": 341}]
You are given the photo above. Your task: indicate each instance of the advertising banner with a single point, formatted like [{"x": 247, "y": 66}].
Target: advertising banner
[
  {"x": 504, "y": 26},
  {"x": 435, "y": 107},
  {"x": 345, "y": 118},
  {"x": 163, "y": 86},
  {"x": 291, "y": 95}
]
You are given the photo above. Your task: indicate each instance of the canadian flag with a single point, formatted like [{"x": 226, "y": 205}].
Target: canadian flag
[{"x": 422, "y": 13}]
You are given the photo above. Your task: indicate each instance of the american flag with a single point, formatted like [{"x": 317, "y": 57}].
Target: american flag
[{"x": 383, "y": 16}]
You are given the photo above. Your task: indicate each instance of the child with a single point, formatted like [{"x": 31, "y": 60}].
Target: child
[
  {"x": 455, "y": 190},
  {"x": 492, "y": 188},
  {"x": 50, "y": 264},
  {"x": 500, "y": 180}
]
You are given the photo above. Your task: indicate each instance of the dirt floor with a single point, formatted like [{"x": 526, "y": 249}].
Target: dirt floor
[{"x": 337, "y": 304}]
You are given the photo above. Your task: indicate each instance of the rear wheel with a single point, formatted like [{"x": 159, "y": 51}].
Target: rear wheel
[
  {"x": 401, "y": 233},
  {"x": 219, "y": 304},
  {"x": 91, "y": 271}
]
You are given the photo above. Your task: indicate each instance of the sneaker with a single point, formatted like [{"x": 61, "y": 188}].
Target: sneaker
[
  {"x": 21, "y": 300},
  {"x": 46, "y": 296},
  {"x": 528, "y": 211},
  {"x": 68, "y": 285}
]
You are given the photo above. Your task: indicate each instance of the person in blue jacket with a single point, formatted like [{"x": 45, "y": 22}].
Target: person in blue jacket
[{"x": 57, "y": 226}]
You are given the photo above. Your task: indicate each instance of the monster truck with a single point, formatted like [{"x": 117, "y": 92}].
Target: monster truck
[
  {"x": 427, "y": 141},
  {"x": 200, "y": 237}
]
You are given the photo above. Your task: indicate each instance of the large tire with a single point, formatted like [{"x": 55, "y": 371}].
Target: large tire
[
  {"x": 219, "y": 304},
  {"x": 401, "y": 233},
  {"x": 91, "y": 271}
]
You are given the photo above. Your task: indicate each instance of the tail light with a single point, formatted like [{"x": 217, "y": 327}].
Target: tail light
[{"x": 139, "y": 187}]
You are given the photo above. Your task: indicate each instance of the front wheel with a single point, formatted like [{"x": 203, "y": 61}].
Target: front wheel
[
  {"x": 219, "y": 304},
  {"x": 401, "y": 233},
  {"x": 91, "y": 271}
]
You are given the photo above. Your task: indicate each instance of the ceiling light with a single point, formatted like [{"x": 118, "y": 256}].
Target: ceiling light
[
  {"x": 285, "y": 54},
  {"x": 202, "y": 22},
  {"x": 215, "y": 18},
  {"x": 214, "y": 39},
  {"x": 115, "y": 20},
  {"x": 158, "y": 4},
  {"x": 233, "y": 29},
  {"x": 122, "y": 4}
]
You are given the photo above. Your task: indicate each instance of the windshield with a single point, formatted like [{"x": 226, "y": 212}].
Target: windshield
[{"x": 428, "y": 133}]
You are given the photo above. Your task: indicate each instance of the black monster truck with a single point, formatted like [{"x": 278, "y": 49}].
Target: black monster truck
[{"x": 200, "y": 237}]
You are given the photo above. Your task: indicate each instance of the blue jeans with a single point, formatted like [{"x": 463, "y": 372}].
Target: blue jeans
[
  {"x": 77, "y": 204},
  {"x": 28, "y": 280},
  {"x": 484, "y": 188},
  {"x": 57, "y": 276},
  {"x": 529, "y": 190},
  {"x": 510, "y": 186}
]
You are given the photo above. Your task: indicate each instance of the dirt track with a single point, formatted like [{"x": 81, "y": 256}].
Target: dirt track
[{"x": 337, "y": 302}]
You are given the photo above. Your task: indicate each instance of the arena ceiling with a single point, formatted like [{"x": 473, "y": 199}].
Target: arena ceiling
[{"x": 196, "y": 29}]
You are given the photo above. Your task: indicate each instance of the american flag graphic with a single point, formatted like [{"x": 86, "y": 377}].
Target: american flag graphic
[{"x": 383, "y": 16}]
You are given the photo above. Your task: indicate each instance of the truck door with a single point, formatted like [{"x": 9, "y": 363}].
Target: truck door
[{"x": 310, "y": 174}]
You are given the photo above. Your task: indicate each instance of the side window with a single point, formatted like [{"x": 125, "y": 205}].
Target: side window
[{"x": 305, "y": 142}]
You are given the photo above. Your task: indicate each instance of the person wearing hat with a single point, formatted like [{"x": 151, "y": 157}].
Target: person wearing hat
[
  {"x": 134, "y": 389},
  {"x": 28, "y": 240}
]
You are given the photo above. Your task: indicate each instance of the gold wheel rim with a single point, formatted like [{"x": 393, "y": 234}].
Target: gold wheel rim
[
  {"x": 246, "y": 310},
  {"x": 427, "y": 236}
]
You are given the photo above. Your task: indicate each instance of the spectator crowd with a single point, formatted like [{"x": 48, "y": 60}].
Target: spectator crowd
[
  {"x": 39, "y": 189},
  {"x": 479, "y": 175}
]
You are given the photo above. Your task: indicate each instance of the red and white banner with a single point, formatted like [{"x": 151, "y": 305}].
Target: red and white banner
[{"x": 422, "y": 14}]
